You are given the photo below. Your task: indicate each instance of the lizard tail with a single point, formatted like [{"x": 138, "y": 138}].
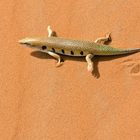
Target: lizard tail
[
  {"x": 107, "y": 50},
  {"x": 127, "y": 51}
]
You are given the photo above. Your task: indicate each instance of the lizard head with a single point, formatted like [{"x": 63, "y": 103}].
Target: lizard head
[{"x": 34, "y": 43}]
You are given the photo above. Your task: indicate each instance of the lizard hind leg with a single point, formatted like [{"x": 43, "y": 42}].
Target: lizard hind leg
[
  {"x": 51, "y": 33},
  {"x": 56, "y": 56},
  {"x": 90, "y": 63},
  {"x": 104, "y": 40}
]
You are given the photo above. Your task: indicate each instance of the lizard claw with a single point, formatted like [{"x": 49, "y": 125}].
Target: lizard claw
[{"x": 59, "y": 63}]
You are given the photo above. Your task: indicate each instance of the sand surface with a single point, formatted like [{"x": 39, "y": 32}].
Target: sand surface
[{"x": 41, "y": 102}]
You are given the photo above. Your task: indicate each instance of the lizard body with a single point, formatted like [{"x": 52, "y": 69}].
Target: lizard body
[{"x": 56, "y": 45}]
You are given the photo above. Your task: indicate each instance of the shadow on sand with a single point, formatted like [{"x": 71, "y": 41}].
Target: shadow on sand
[{"x": 96, "y": 59}]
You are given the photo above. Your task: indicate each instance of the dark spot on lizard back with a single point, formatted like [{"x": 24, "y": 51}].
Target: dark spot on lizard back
[
  {"x": 53, "y": 49},
  {"x": 72, "y": 53},
  {"x": 81, "y": 53},
  {"x": 63, "y": 51}
]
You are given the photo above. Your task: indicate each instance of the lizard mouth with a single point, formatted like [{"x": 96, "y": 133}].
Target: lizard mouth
[
  {"x": 24, "y": 42},
  {"x": 28, "y": 44}
]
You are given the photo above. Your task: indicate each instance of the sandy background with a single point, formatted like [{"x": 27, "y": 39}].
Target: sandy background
[{"x": 41, "y": 102}]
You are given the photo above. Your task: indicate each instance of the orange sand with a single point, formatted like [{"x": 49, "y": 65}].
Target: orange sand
[{"x": 41, "y": 102}]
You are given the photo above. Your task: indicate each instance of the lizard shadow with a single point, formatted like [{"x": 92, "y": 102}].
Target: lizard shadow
[{"x": 96, "y": 59}]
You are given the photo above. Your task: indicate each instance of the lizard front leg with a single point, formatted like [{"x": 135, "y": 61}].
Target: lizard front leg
[
  {"x": 56, "y": 56},
  {"x": 51, "y": 32},
  {"x": 103, "y": 40},
  {"x": 90, "y": 63}
]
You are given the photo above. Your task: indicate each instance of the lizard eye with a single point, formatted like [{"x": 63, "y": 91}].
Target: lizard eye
[{"x": 44, "y": 47}]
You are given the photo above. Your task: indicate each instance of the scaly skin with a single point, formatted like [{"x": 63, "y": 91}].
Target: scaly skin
[
  {"x": 56, "y": 45},
  {"x": 65, "y": 46}
]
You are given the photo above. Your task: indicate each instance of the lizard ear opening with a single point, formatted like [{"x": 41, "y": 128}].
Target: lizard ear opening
[{"x": 44, "y": 47}]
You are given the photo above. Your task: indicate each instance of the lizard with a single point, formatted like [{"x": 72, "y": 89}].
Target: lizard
[{"x": 57, "y": 46}]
